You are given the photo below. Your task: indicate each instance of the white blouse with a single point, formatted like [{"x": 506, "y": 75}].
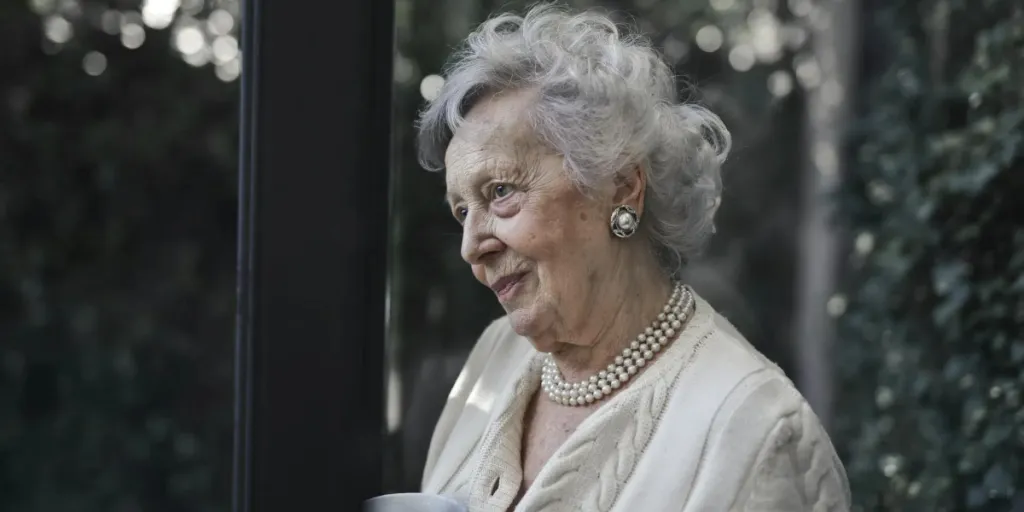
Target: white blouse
[{"x": 710, "y": 425}]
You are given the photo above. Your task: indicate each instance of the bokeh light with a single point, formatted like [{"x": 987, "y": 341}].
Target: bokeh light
[
  {"x": 58, "y": 29},
  {"x": 42, "y": 6},
  {"x": 199, "y": 58},
  {"x": 94, "y": 63},
  {"x": 826, "y": 159},
  {"x": 765, "y": 35},
  {"x": 780, "y": 83},
  {"x": 131, "y": 18},
  {"x": 864, "y": 243},
  {"x": 189, "y": 40},
  {"x": 709, "y": 38},
  {"x": 220, "y": 22},
  {"x": 225, "y": 48},
  {"x": 800, "y": 8},
  {"x": 430, "y": 87},
  {"x": 795, "y": 36},
  {"x": 808, "y": 72},
  {"x": 836, "y": 305},
  {"x": 229, "y": 71},
  {"x": 405, "y": 69},
  {"x": 194, "y": 7},
  {"x": 133, "y": 35},
  {"x": 722, "y": 5},
  {"x": 110, "y": 22},
  {"x": 159, "y": 14},
  {"x": 675, "y": 49},
  {"x": 200, "y": 35},
  {"x": 742, "y": 57},
  {"x": 70, "y": 8}
]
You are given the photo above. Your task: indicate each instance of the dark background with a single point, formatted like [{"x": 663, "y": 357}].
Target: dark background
[{"x": 118, "y": 178}]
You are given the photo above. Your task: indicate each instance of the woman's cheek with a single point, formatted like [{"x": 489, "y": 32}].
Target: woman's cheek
[{"x": 515, "y": 223}]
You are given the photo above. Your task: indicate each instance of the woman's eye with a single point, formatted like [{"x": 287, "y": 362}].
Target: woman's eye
[
  {"x": 461, "y": 213},
  {"x": 501, "y": 190}
]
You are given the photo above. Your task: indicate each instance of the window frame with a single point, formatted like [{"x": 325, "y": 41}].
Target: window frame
[{"x": 315, "y": 156}]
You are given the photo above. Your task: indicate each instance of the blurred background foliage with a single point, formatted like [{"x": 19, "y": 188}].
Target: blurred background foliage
[
  {"x": 931, "y": 346},
  {"x": 117, "y": 246}
]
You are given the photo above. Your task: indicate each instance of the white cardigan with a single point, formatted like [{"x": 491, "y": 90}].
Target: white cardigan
[{"x": 710, "y": 425}]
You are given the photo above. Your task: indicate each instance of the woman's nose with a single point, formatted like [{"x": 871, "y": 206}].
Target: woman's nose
[{"x": 478, "y": 241}]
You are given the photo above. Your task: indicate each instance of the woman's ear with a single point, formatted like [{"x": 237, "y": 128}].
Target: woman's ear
[{"x": 630, "y": 186}]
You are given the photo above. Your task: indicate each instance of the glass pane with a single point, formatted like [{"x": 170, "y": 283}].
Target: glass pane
[
  {"x": 735, "y": 54},
  {"x": 117, "y": 221}
]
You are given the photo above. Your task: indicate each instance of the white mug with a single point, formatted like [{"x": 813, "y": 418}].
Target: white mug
[{"x": 413, "y": 502}]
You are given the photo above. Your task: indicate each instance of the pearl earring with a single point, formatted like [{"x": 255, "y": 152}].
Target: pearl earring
[{"x": 624, "y": 221}]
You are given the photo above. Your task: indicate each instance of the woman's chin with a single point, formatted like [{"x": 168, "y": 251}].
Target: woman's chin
[{"x": 524, "y": 321}]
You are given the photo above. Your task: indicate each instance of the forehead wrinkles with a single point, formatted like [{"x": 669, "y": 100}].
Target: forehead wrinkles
[
  {"x": 465, "y": 155},
  {"x": 484, "y": 145}
]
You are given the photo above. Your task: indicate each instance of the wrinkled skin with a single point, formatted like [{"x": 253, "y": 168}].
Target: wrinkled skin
[{"x": 583, "y": 293}]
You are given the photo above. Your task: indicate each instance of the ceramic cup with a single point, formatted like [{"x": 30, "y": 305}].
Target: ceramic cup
[{"x": 413, "y": 502}]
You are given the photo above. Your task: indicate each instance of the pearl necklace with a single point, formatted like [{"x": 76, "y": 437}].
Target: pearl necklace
[{"x": 640, "y": 352}]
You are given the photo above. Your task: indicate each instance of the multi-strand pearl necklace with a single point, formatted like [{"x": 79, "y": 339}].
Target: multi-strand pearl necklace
[{"x": 639, "y": 353}]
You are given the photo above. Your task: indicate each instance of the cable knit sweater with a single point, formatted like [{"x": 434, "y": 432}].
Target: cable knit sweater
[{"x": 710, "y": 425}]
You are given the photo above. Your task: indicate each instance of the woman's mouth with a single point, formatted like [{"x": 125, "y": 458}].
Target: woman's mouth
[{"x": 507, "y": 286}]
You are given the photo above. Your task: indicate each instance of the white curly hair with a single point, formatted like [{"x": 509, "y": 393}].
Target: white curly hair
[{"x": 606, "y": 102}]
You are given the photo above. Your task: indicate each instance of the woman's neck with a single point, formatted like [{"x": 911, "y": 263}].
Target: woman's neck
[{"x": 620, "y": 309}]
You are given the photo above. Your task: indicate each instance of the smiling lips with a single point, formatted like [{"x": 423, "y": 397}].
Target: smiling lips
[{"x": 504, "y": 286}]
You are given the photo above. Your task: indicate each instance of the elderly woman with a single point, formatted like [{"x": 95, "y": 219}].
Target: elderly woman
[{"x": 583, "y": 186}]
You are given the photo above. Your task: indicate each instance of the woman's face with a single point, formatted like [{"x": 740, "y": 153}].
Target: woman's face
[{"x": 528, "y": 233}]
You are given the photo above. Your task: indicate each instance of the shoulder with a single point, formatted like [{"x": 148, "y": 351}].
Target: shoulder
[
  {"x": 735, "y": 378},
  {"x": 790, "y": 461},
  {"x": 745, "y": 379},
  {"x": 764, "y": 441},
  {"x": 770, "y": 449}
]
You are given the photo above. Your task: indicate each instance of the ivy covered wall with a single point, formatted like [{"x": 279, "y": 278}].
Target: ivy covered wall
[{"x": 931, "y": 345}]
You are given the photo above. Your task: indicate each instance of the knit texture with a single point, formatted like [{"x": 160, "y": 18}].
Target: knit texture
[{"x": 748, "y": 442}]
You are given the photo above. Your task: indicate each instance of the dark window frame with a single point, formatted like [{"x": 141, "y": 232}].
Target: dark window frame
[{"x": 313, "y": 216}]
